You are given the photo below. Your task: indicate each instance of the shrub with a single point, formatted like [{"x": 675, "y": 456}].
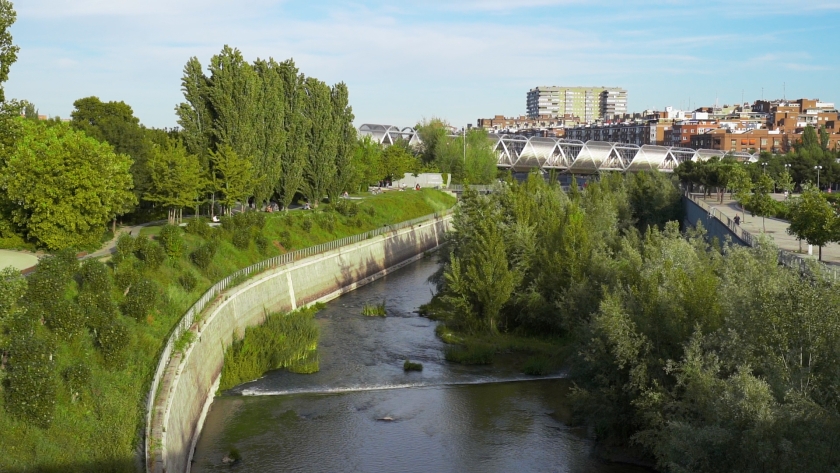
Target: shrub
[
  {"x": 49, "y": 281},
  {"x": 306, "y": 225},
  {"x": 31, "y": 389},
  {"x": 370, "y": 211},
  {"x": 326, "y": 221},
  {"x": 140, "y": 300},
  {"x": 285, "y": 238},
  {"x": 471, "y": 355},
  {"x": 198, "y": 226},
  {"x": 203, "y": 255},
  {"x": 172, "y": 240},
  {"x": 374, "y": 310},
  {"x": 262, "y": 242},
  {"x": 125, "y": 248},
  {"x": 125, "y": 275},
  {"x": 97, "y": 308},
  {"x": 537, "y": 366},
  {"x": 228, "y": 223},
  {"x": 345, "y": 207},
  {"x": 112, "y": 339},
  {"x": 152, "y": 255},
  {"x": 188, "y": 281},
  {"x": 94, "y": 277},
  {"x": 64, "y": 318},
  {"x": 77, "y": 377},
  {"x": 409, "y": 366},
  {"x": 241, "y": 238}
]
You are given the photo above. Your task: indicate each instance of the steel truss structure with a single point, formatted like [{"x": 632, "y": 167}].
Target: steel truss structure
[{"x": 521, "y": 154}]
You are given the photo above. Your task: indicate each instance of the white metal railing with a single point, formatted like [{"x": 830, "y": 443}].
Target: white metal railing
[
  {"x": 787, "y": 258},
  {"x": 210, "y": 295}
]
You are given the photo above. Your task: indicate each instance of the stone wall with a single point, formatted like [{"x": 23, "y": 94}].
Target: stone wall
[
  {"x": 191, "y": 378},
  {"x": 715, "y": 228}
]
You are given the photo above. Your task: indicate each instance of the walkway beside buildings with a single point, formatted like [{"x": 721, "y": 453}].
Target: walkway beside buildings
[{"x": 776, "y": 229}]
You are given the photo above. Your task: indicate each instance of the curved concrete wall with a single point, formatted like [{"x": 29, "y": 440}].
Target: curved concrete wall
[{"x": 191, "y": 377}]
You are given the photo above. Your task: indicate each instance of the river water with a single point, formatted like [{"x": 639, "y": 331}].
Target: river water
[{"x": 362, "y": 413}]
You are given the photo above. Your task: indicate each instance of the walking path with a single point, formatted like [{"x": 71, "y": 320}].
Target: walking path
[{"x": 775, "y": 229}]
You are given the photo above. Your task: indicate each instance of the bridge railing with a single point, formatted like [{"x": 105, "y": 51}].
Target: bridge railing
[
  {"x": 787, "y": 258},
  {"x": 210, "y": 295}
]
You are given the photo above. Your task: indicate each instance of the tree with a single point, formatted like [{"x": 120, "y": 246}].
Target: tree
[
  {"x": 367, "y": 162},
  {"x": 431, "y": 132},
  {"x": 396, "y": 161},
  {"x": 476, "y": 164},
  {"x": 8, "y": 51},
  {"x": 115, "y": 124},
  {"x": 176, "y": 179},
  {"x": 195, "y": 115},
  {"x": 741, "y": 185},
  {"x": 345, "y": 141},
  {"x": 235, "y": 176},
  {"x": 271, "y": 134},
  {"x": 64, "y": 186},
  {"x": 812, "y": 218},
  {"x": 785, "y": 182},
  {"x": 295, "y": 125},
  {"x": 322, "y": 139},
  {"x": 29, "y": 111},
  {"x": 761, "y": 200}
]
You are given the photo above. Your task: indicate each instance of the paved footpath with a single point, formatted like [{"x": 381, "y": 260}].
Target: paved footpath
[{"x": 776, "y": 229}]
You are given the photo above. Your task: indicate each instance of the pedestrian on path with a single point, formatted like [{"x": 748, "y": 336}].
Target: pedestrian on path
[{"x": 737, "y": 220}]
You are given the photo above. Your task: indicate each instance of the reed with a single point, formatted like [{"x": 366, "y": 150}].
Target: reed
[{"x": 374, "y": 310}]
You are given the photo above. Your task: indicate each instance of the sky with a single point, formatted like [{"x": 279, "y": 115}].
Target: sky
[{"x": 459, "y": 60}]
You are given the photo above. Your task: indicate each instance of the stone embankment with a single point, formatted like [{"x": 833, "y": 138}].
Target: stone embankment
[{"x": 186, "y": 381}]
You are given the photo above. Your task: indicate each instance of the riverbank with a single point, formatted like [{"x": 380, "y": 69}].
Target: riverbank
[{"x": 99, "y": 424}]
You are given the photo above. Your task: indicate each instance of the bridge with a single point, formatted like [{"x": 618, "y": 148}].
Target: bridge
[{"x": 521, "y": 154}]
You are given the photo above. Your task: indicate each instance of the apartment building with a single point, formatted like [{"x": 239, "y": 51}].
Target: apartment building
[
  {"x": 791, "y": 116},
  {"x": 681, "y": 132},
  {"x": 545, "y": 125},
  {"x": 639, "y": 133},
  {"x": 587, "y": 103},
  {"x": 748, "y": 141}
]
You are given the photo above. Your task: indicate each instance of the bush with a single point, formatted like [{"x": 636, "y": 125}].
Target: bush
[
  {"x": 97, "y": 308},
  {"x": 125, "y": 248},
  {"x": 471, "y": 355},
  {"x": 203, "y": 255},
  {"x": 152, "y": 255},
  {"x": 409, "y": 366},
  {"x": 345, "y": 207},
  {"x": 326, "y": 221},
  {"x": 374, "y": 310},
  {"x": 112, "y": 339},
  {"x": 262, "y": 242},
  {"x": 64, "y": 318},
  {"x": 198, "y": 226},
  {"x": 242, "y": 238},
  {"x": 188, "y": 281},
  {"x": 140, "y": 300},
  {"x": 537, "y": 366},
  {"x": 370, "y": 211},
  {"x": 30, "y": 385},
  {"x": 77, "y": 377},
  {"x": 285, "y": 239},
  {"x": 49, "y": 281},
  {"x": 172, "y": 240},
  {"x": 94, "y": 277},
  {"x": 306, "y": 225},
  {"x": 125, "y": 275}
]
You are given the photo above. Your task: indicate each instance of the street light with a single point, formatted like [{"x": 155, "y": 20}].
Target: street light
[
  {"x": 818, "y": 176},
  {"x": 764, "y": 167}
]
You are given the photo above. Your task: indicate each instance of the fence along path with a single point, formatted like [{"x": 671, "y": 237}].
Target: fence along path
[
  {"x": 189, "y": 317},
  {"x": 787, "y": 258}
]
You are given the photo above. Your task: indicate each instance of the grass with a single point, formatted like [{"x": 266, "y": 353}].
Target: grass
[
  {"x": 104, "y": 426},
  {"x": 410, "y": 366},
  {"x": 283, "y": 341},
  {"x": 374, "y": 310}
]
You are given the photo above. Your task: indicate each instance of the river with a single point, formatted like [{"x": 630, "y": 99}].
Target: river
[{"x": 361, "y": 412}]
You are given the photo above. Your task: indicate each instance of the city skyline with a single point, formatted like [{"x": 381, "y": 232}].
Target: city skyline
[{"x": 457, "y": 62}]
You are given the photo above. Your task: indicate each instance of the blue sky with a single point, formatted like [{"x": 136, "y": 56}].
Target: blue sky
[{"x": 458, "y": 59}]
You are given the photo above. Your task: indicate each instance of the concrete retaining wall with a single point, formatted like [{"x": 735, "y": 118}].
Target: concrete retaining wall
[
  {"x": 715, "y": 228},
  {"x": 191, "y": 378}
]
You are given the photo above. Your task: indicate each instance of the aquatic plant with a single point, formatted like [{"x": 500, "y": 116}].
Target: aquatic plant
[
  {"x": 374, "y": 310},
  {"x": 409, "y": 366}
]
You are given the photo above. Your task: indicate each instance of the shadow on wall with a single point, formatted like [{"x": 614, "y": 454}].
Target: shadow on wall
[{"x": 128, "y": 465}]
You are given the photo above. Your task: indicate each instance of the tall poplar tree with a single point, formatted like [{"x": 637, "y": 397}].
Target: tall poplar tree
[
  {"x": 235, "y": 94},
  {"x": 270, "y": 130},
  {"x": 295, "y": 125},
  {"x": 8, "y": 51},
  {"x": 320, "y": 167},
  {"x": 345, "y": 134},
  {"x": 195, "y": 116}
]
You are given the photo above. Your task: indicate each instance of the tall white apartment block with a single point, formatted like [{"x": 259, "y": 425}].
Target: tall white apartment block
[{"x": 588, "y": 103}]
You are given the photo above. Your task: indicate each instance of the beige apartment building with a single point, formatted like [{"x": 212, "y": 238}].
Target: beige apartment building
[{"x": 587, "y": 103}]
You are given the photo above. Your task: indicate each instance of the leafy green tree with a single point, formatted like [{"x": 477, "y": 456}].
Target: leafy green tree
[
  {"x": 115, "y": 124},
  {"x": 271, "y": 133},
  {"x": 320, "y": 169},
  {"x": 235, "y": 96},
  {"x": 741, "y": 185},
  {"x": 367, "y": 162},
  {"x": 396, "y": 161},
  {"x": 195, "y": 115},
  {"x": 785, "y": 181},
  {"x": 12, "y": 290},
  {"x": 176, "y": 179},
  {"x": 295, "y": 124},
  {"x": 235, "y": 176},
  {"x": 29, "y": 111},
  {"x": 812, "y": 218},
  {"x": 475, "y": 165},
  {"x": 345, "y": 135},
  {"x": 8, "y": 51},
  {"x": 431, "y": 132},
  {"x": 761, "y": 200},
  {"x": 56, "y": 207}
]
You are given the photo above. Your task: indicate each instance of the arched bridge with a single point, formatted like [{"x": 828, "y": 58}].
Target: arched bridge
[{"x": 520, "y": 153}]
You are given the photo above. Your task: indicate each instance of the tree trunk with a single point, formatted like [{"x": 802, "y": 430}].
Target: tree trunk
[{"x": 820, "y": 253}]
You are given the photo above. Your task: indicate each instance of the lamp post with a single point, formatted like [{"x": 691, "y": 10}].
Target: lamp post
[
  {"x": 787, "y": 170},
  {"x": 818, "y": 176}
]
